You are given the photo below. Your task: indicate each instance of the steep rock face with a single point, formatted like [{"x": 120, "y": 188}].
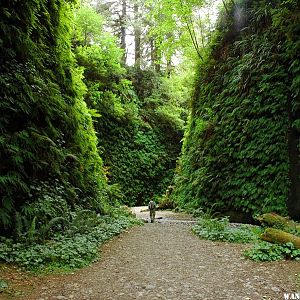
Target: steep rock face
[
  {"x": 241, "y": 148},
  {"x": 46, "y": 131}
]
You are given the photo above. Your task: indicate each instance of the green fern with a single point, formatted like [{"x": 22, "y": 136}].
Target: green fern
[
  {"x": 46, "y": 129},
  {"x": 32, "y": 232},
  {"x": 45, "y": 229}
]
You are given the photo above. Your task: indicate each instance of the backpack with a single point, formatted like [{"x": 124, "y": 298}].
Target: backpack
[{"x": 151, "y": 205}]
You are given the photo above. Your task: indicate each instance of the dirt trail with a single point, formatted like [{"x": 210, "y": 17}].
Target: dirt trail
[{"x": 165, "y": 260}]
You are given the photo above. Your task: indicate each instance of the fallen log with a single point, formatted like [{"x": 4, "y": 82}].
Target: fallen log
[
  {"x": 277, "y": 236},
  {"x": 279, "y": 222}
]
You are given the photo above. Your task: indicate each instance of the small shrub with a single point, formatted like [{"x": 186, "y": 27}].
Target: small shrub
[
  {"x": 166, "y": 203},
  {"x": 221, "y": 230},
  {"x": 264, "y": 251}
]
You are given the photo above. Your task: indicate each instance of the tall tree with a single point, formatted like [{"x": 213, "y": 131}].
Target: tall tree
[
  {"x": 89, "y": 25},
  {"x": 155, "y": 54},
  {"x": 137, "y": 36},
  {"x": 180, "y": 26},
  {"x": 116, "y": 16},
  {"x": 123, "y": 21}
]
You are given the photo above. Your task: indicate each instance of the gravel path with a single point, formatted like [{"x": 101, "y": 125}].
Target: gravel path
[{"x": 166, "y": 261}]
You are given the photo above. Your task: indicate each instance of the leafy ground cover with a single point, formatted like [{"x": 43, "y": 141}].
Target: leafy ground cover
[
  {"x": 75, "y": 247},
  {"x": 215, "y": 229},
  {"x": 220, "y": 229},
  {"x": 264, "y": 251}
]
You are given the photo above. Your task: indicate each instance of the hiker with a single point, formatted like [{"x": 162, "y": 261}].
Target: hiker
[{"x": 152, "y": 208}]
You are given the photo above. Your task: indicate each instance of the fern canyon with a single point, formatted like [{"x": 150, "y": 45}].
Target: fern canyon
[
  {"x": 241, "y": 147},
  {"x": 107, "y": 105}
]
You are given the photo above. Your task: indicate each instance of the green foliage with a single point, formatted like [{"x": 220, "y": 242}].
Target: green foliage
[
  {"x": 142, "y": 150},
  {"x": 264, "y": 251},
  {"x": 49, "y": 213},
  {"x": 101, "y": 63},
  {"x": 88, "y": 25},
  {"x": 179, "y": 26},
  {"x": 3, "y": 284},
  {"x": 215, "y": 229},
  {"x": 48, "y": 201},
  {"x": 165, "y": 202},
  {"x": 46, "y": 131},
  {"x": 219, "y": 229},
  {"x": 140, "y": 120},
  {"x": 75, "y": 248},
  {"x": 237, "y": 146},
  {"x": 138, "y": 161}
]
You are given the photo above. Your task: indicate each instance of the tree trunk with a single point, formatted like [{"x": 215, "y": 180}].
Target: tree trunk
[
  {"x": 278, "y": 236},
  {"x": 152, "y": 52},
  {"x": 137, "y": 37},
  {"x": 274, "y": 220},
  {"x": 123, "y": 29},
  {"x": 155, "y": 58},
  {"x": 169, "y": 65}
]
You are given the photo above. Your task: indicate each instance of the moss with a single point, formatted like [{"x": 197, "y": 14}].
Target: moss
[{"x": 278, "y": 236}]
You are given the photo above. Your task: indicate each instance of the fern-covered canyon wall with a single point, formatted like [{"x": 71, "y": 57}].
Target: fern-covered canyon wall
[
  {"x": 49, "y": 156},
  {"x": 241, "y": 147},
  {"x": 140, "y": 146},
  {"x": 67, "y": 101}
]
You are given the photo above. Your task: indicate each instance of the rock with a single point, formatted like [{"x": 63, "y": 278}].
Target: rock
[
  {"x": 140, "y": 295},
  {"x": 275, "y": 289},
  {"x": 150, "y": 287},
  {"x": 60, "y": 298}
]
